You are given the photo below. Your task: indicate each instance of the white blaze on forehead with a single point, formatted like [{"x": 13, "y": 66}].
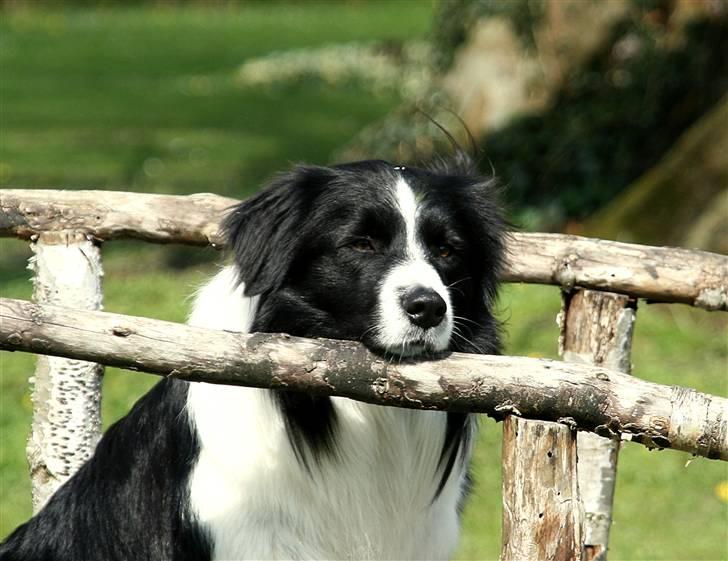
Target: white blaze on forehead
[
  {"x": 394, "y": 330},
  {"x": 408, "y": 207}
]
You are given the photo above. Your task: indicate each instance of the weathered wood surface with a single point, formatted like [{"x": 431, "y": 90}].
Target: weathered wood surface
[
  {"x": 107, "y": 215},
  {"x": 582, "y": 397},
  {"x": 658, "y": 273},
  {"x": 542, "y": 517},
  {"x": 66, "y": 393},
  {"x": 555, "y": 518},
  {"x": 664, "y": 274},
  {"x": 596, "y": 329}
]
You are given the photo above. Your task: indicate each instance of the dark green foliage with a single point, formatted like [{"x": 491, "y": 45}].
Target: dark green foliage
[
  {"x": 614, "y": 119},
  {"x": 449, "y": 31},
  {"x": 454, "y": 18}
]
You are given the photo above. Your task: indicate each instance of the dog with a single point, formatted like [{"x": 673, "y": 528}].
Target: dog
[{"x": 403, "y": 259}]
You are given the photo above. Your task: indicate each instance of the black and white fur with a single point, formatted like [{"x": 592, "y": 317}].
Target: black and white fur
[{"x": 404, "y": 260}]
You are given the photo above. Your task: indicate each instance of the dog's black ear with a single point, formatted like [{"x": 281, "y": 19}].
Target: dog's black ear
[
  {"x": 489, "y": 227},
  {"x": 265, "y": 232}
]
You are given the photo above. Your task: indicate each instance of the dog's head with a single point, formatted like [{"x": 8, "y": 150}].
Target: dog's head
[{"x": 403, "y": 259}]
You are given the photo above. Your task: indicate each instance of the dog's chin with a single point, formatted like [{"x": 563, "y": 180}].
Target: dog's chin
[{"x": 406, "y": 350}]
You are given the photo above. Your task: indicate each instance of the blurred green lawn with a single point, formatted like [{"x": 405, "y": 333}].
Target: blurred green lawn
[{"x": 145, "y": 99}]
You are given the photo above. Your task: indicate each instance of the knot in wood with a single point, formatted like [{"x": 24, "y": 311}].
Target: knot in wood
[
  {"x": 563, "y": 274},
  {"x": 380, "y": 386},
  {"x": 120, "y": 331},
  {"x": 15, "y": 338}
]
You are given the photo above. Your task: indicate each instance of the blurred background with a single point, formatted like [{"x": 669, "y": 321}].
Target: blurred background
[{"x": 602, "y": 118}]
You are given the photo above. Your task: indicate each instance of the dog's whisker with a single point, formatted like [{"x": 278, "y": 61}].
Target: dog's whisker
[
  {"x": 461, "y": 318},
  {"x": 458, "y": 282},
  {"x": 469, "y": 342}
]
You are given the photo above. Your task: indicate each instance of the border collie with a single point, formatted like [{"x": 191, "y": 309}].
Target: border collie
[{"x": 403, "y": 259}]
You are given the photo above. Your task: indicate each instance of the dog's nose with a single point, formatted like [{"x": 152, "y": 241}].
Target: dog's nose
[{"x": 424, "y": 307}]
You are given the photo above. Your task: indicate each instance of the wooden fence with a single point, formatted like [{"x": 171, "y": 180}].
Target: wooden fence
[{"x": 552, "y": 510}]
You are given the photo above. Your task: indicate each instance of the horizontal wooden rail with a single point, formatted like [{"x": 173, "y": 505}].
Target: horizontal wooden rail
[
  {"x": 661, "y": 274},
  {"x": 583, "y": 397},
  {"x": 108, "y": 215}
]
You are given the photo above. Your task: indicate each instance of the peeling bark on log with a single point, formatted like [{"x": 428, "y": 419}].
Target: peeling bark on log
[
  {"x": 66, "y": 393},
  {"x": 542, "y": 516},
  {"x": 657, "y": 273},
  {"x": 596, "y": 329},
  {"x": 582, "y": 397}
]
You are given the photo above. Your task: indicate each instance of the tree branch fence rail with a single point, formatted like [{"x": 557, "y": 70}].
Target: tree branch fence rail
[{"x": 544, "y": 403}]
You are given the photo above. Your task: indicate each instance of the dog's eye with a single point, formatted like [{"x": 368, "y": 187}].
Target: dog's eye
[
  {"x": 444, "y": 250},
  {"x": 364, "y": 245}
]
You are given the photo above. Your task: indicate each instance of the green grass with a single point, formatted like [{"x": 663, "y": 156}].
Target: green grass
[
  {"x": 145, "y": 99},
  {"x": 90, "y": 96}
]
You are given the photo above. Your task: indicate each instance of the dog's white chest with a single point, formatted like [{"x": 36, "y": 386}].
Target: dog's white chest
[{"x": 374, "y": 500}]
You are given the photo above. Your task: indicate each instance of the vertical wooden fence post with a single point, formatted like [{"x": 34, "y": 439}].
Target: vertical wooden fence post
[
  {"x": 66, "y": 393},
  {"x": 542, "y": 511},
  {"x": 546, "y": 515},
  {"x": 542, "y": 518},
  {"x": 596, "y": 328}
]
